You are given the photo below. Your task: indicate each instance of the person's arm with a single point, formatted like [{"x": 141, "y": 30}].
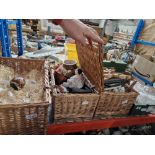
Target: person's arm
[{"x": 79, "y": 31}]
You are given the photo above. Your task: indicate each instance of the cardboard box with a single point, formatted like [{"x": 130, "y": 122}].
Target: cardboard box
[{"x": 144, "y": 68}]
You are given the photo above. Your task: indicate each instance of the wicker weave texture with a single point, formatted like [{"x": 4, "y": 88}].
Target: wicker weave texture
[
  {"x": 69, "y": 107},
  {"x": 22, "y": 66},
  {"x": 90, "y": 62},
  {"x": 75, "y": 107},
  {"x": 28, "y": 118},
  {"x": 115, "y": 104},
  {"x": 23, "y": 119},
  {"x": 110, "y": 103}
]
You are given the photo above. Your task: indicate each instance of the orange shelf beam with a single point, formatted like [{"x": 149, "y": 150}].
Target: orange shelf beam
[{"x": 56, "y": 129}]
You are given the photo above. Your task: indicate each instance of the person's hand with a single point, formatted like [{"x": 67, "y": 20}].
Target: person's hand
[{"x": 80, "y": 32}]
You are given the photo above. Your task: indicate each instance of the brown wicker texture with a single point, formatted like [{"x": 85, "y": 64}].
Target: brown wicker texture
[
  {"x": 23, "y": 119},
  {"x": 109, "y": 103},
  {"x": 73, "y": 107},
  {"x": 90, "y": 61},
  {"x": 80, "y": 107},
  {"x": 26, "y": 118},
  {"x": 70, "y": 107},
  {"x": 115, "y": 104}
]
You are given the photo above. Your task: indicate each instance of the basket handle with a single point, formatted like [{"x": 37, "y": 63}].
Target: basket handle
[
  {"x": 47, "y": 84},
  {"x": 101, "y": 58}
]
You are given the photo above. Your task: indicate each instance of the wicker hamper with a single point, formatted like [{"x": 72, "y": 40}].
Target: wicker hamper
[
  {"x": 112, "y": 104},
  {"x": 80, "y": 107},
  {"x": 31, "y": 118}
]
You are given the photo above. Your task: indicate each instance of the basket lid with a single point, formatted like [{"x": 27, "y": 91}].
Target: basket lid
[{"x": 90, "y": 59}]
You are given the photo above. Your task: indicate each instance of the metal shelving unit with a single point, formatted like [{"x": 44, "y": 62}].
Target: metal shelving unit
[
  {"x": 5, "y": 39},
  {"x": 67, "y": 127},
  {"x": 135, "y": 40}
]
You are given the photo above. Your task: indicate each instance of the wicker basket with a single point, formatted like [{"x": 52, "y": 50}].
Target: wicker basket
[
  {"x": 80, "y": 107},
  {"x": 114, "y": 104},
  {"x": 110, "y": 104},
  {"x": 29, "y": 118}
]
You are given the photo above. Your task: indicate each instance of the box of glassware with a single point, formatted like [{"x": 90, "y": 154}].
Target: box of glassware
[{"x": 145, "y": 102}]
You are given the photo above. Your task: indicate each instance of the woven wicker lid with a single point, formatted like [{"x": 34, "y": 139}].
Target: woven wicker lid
[{"x": 90, "y": 62}]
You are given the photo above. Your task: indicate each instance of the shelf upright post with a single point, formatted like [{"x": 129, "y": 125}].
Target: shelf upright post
[
  {"x": 19, "y": 37},
  {"x": 5, "y": 40}
]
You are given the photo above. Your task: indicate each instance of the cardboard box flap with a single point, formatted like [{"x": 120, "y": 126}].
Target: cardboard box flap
[
  {"x": 90, "y": 59},
  {"x": 144, "y": 68},
  {"x": 147, "y": 34}
]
